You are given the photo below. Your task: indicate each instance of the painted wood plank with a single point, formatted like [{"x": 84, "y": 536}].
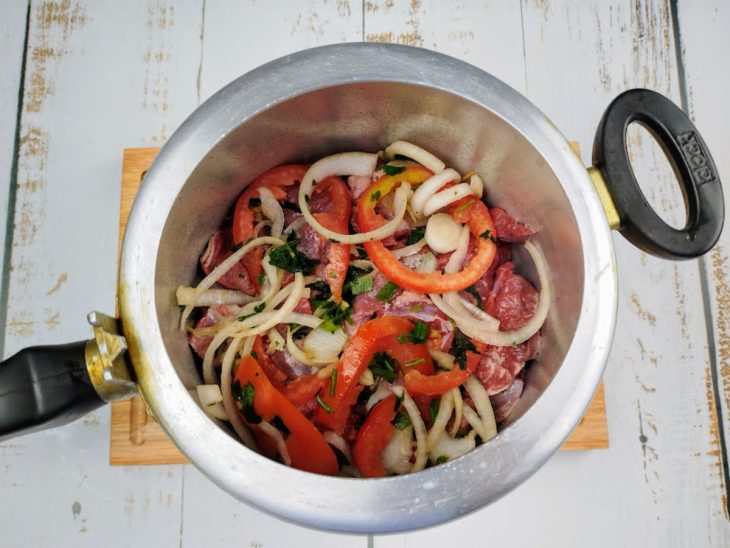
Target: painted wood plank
[
  {"x": 705, "y": 43},
  {"x": 100, "y": 75},
  {"x": 658, "y": 483}
]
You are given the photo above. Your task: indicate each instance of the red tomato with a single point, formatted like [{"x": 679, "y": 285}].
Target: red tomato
[{"x": 373, "y": 437}]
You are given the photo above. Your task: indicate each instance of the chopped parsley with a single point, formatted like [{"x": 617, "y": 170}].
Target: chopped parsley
[
  {"x": 401, "y": 420},
  {"x": 433, "y": 409},
  {"x": 383, "y": 366},
  {"x": 361, "y": 253},
  {"x": 244, "y": 395},
  {"x": 473, "y": 292},
  {"x": 236, "y": 247},
  {"x": 256, "y": 309},
  {"x": 387, "y": 292},
  {"x": 418, "y": 334},
  {"x": 335, "y": 315},
  {"x": 398, "y": 401},
  {"x": 289, "y": 258},
  {"x": 323, "y": 404},
  {"x": 355, "y": 283},
  {"x": 416, "y": 235},
  {"x": 392, "y": 170},
  {"x": 254, "y": 355},
  {"x": 254, "y": 202},
  {"x": 279, "y": 424},
  {"x": 442, "y": 459},
  {"x": 290, "y": 206},
  {"x": 487, "y": 235},
  {"x": 261, "y": 278},
  {"x": 333, "y": 381},
  {"x": 460, "y": 347},
  {"x": 375, "y": 196},
  {"x": 361, "y": 285}
]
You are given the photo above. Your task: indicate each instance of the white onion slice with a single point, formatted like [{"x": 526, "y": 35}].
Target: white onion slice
[
  {"x": 458, "y": 410},
  {"x": 335, "y": 440},
  {"x": 221, "y": 269},
  {"x": 259, "y": 226},
  {"x": 418, "y": 426},
  {"x": 477, "y": 185},
  {"x": 443, "y": 233},
  {"x": 446, "y": 407},
  {"x": 302, "y": 356},
  {"x": 272, "y": 209},
  {"x": 409, "y": 249},
  {"x": 443, "y": 359},
  {"x": 464, "y": 320},
  {"x": 211, "y": 400},
  {"x": 446, "y": 197},
  {"x": 381, "y": 392},
  {"x": 456, "y": 261},
  {"x": 484, "y": 407},
  {"x": 474, "y": 420},
  {"x": 228, "y": 402},
  {"x": 211, "y": 297},
  {"x": 367, "y": 378},
  {"x": 452, "y": 448},
  {"x": 349, "y": 163},
  {"x": 276, "y": 341},
  {"x": 428, "y": 263},
  {"x": 396, "y": 457},
  {"x": 273, "y": 433},
  {"x": 323, "y": 346},
  {"x": 414, "y": 152},
  {"x": 429, "y": 187}
]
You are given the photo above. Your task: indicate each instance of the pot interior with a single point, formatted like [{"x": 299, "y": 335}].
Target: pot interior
[{"x": 367, "y": 117}]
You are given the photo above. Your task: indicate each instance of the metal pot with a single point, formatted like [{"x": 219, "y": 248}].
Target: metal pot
[{"x": 361, "y": 97}]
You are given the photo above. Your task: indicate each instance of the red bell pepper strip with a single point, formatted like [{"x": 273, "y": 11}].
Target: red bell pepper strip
[
  {"x": 273, "y": 373},
  {"x": 303, "y": 389},
  {"x": 472, "y": 212},
  {"x": 374, "y": 435},
  {"x": 276, "y": 180},
  {"x": 378, "y": 335},
  {"x": 337, "y": 219},
  {"x": 417, "y": 383},
  {"x": 306, "y": 446}
]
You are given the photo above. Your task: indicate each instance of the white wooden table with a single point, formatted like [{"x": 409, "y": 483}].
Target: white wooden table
[{"x": 83, "y": 79}]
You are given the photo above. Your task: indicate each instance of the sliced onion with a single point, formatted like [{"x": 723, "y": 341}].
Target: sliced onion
[
  {"x": 367, "y": 378},
  {"x": 452, "y": 448},
  {"x": 228, "y": 402},
  {"x": 302, "y": 356},
  {"x": 323, "y": 346},
  {"x": 276, "y": 341},
  {"x": 207, "y": 282},
  {"x": 273, "y": 432},
  {"x": 396, "y": 457},
  {"x": 429, "y": 187},
  {"x": 443, "y": 359},
  {"x": 272, "y": 209},
  {"x": 211, "y": 297},
  {"x": 477, "y": 312},
  {"x": 259, "y": 226},
  {"x": 443, "y": 233},
  {"x": 211, "y": 400},
  {"x": 484, "y": 407},
  {"x": 474, "y": 420},
  {"x": 349, "y": 163},
  {"x": 418, "y": 426},
  {"x": 414, "y": 152},
  {"x": 409, "y": 249},
  {"x": 464, "y": 320},
  {"x": 272, "y": 289},
  {"x": 456, "y": 261},
  {"x": 247, "y": 347},
  {"x": 463, "y": 310},
  {"x": 381, "y": 392},
  {"x": 446, "y": 407},
  {"x": 477, "y": 185},
  {"x": 446, "y": 197},
  {"x": 458, "y": 410},
  {"x": 335, "y": 440},
  {"x": 428, "y": 263}
]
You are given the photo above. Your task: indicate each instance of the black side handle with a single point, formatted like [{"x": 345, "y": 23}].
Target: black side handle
[
  {"x": 44, "y": 386},
  {"x": 692, "y": 164}
]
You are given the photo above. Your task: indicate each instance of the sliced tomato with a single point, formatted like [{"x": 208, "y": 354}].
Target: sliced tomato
[
  {"x": 306, "y": 446},
  {"x": 418, "y": 384},
  {"x": 273, "y": 373},
  {"x": 304, "y": 388},
  {"x": 276, "y": 180},
  {"x": 373, "y": 437}
]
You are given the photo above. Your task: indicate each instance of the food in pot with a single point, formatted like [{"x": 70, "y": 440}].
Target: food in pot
[{"x": 362, "y": 315}]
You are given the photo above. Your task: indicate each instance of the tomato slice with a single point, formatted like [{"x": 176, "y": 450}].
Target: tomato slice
[
  {"x": 418, "y": 384},
  {"x": 374, "y": 435},
  {"x": 306, "y": 446},
  {"x": 472, "y": 212},
  {"x": 276, "y": 180}
]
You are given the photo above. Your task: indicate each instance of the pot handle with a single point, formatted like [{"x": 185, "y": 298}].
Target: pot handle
[
  {"x": 693, "y": 165},
  {"x": 46, "y": 386}
]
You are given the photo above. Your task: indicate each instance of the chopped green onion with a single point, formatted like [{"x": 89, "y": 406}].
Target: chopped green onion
[
  {"x": 416, "y": 235},
  {"x": 387, "y": 292},
  {"x": 401, "y": 421},
  {"x": 323, "y": 405},
  {"x": 333, "y": 381},
  {"x": 442, "y": 459},
  {"x": 418, "y": 334},
  {"x": 392, "y": 170},
  {"x": 417, "y": 361},
  {"x": 375, "y": 196},
  {"x": 465, "y": 205},
  {"x": 361, "y": 285},
  {"x": 433, "y": 409}
]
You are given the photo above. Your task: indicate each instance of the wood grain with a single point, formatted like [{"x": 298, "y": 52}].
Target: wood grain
[{"x": 138, "y": 439}]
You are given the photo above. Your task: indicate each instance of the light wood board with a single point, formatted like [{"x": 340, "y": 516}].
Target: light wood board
[{"x": 137, "y": 439}]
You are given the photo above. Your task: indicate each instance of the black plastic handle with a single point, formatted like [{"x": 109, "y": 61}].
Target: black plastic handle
[
  {"x": 44, "y": 386},
  {"x": 692, "y": 164}
]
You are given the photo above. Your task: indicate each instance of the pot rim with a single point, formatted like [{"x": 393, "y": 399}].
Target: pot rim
[{"x": 344, "y": 504}]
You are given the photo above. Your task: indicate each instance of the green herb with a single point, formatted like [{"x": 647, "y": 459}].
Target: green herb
[
  {"x": 323, "y": 405},
  {"x": 473, "y": 292},
  {"x": 416, "y": 235},
  {"x": 335, "y": 315},
  {"x": 261, "y": 278},
  {"x": 401, "y": 421},
  {"x": 487, "y": 235},
  {"x": 290, "y": 206},
  {"x": 392, "y": 170},
  {"x": 418, "y": 334},
  {"x": 375, "y": 196},
  {"x": 256, "y": 309},
  {"x": 254, "y": 202},
  {"x": 279, "y": 424},
  {"x": 465, "y": 205},
  {"x": 333, "y": 381},
  {"x": 361, "y": 285},
  {"x": 398, "y": 401},
  {"x": 361, "y": 253},
  {"x": 382, "y": 366},
  {"x": 460, "y": 347},
  {"x": 254, "y": 355},
  {"x": 236, "y": 247},
  {"x": 415, "y": 307},
  {"x": 387, "y": 292},
  {"x": 314, "y": 183},
  {"x": 433, "y": 409},
  {"x": 307, "y": 198},
  {"x": 289, "y": 258},
  {"x": 442, "y": 459},
  {"x": 417, "y": 361},
  {"x": 244, "y": 395}
]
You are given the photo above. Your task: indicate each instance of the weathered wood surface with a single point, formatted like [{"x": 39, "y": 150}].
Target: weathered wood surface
[{"x": 104, "y": 75}]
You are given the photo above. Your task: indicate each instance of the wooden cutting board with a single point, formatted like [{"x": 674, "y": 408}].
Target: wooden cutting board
[{"x": 137, "y": 439}]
